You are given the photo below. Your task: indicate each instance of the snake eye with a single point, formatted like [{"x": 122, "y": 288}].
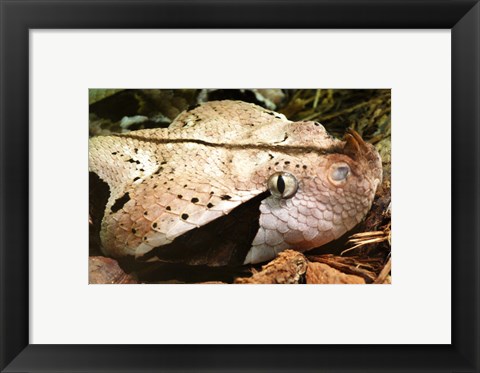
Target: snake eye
[
  {"x": 339, "y": 172},
  {"x": 282, "y": 185}
]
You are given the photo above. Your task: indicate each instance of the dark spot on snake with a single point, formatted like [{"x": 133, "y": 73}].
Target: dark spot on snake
[
  {"x": 137, "y": 178},
  {"x": 168, "y": 208},
  {"x": 276, "y": 163},
  {"x": 271, "y": 156},
  {"x": 131, "y": 160},
  {"x": 212, "y": 192},
  {"x": 316, "y": 124},
  {"x": 134, "y": 230},
  {"x": 155, "y": 186},
  {"x": 297, "y": 166},
  {"x": 287, "y": 162},
  {"x": 278, "y": 117},
  {"x": 120, "y": 202},
  {"x": 226, "y": 197},
  {"x": 160, "y": 169},
  {"x": 304, "y": 167},
  {"x": 114, "y": 153},
  {"x": 135, "y": 150},
  {"x": 145, "y": 213},
  {"x": 145, "y": 238},
  {"x": 185, "y": 186},
  {"x": 142, "y": 169},
  {"x": 154, "y": 225},
  {"x": 164, "y": 162},
  {"x": 194, "y": 200},
  {"x": 210, "y": 205},
  {"x": 179, "y": 196},
  {"x": 184, "y": 216}
]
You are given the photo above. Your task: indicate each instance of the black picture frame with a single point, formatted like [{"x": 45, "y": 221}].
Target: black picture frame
[{"x": 18, "y": 16}]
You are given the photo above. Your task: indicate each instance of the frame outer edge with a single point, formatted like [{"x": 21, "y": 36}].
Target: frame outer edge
[
  {"x": 465, "y": 189},
  {"x": 232, "y": 14},
  {"x": 14, "y": 154},
  {"x": 14, "y": 188}
]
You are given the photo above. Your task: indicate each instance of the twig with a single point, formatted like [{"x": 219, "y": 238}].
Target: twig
[
  {"x": 384, "y": 273},
  {"x": 317, "y": 97},
  {"x": 364, "y": 238},
  {"x": 353, "y": 269}
]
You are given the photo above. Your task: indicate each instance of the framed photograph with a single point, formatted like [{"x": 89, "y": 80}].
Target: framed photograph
[
  {"x": 214, "y": 186},
  {"x": 169, "y": 167}
]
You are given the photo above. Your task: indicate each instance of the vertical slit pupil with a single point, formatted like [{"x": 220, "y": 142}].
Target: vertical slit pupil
[{"x": 280, "y": 184}]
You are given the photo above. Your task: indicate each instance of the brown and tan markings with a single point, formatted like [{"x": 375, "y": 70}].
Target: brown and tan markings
[{"x": 228, "y": 183}]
